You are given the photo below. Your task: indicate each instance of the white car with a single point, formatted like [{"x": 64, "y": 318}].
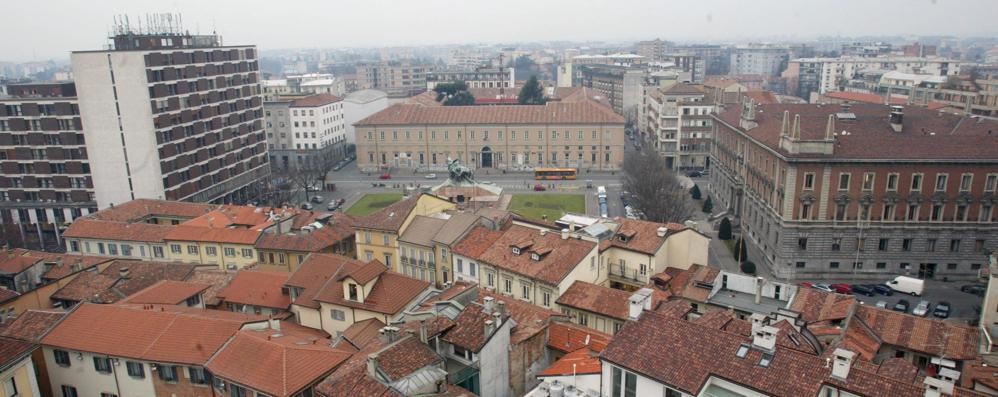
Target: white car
[
  {"x": 822, "y": 287},
  {"x": 921, "y": 309},
  {"x": 430, "y": 176}
]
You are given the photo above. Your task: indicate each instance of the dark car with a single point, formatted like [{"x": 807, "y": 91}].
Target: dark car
[
  {"x": 902, "y": 306},
  {"x": 862, "y": 289},
  {"x": 976, "y": 289},
  {"x": 841, "y": 288},
  {"x": 942, "y": 310},
  {"x": 694, "y": 174},
  {"x": 883, "y": 289}
]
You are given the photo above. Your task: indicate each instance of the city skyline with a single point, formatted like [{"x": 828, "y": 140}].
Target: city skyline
[{"x": 314, "y": 24}]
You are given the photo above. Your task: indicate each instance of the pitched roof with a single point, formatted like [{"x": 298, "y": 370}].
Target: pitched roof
[
  {"x": 63, "y": 265},
  {"x": 365, "y": 273},
  {"x": 863, "y": 97},
  {"x": 692, "y": 284},
  {"x": 568, "y": 337},
  {"x": 391, "y": 292},
  {"x": 16, "y": 261},
  {"x": 531, "y": 319},
  {"x": 389, "y": 218},
  {"x": 279, "y": 363},
  {"x": 362, "y": 332},
  {"x": 926, "y": 134},
  {"x": 339, "y": 228},
  {"x": 584, "y": 112},
  {"x": 404, "y": 357},
  {"x": 313, "y": 274},
  {"x": 7, "y": 294},
  {"x": 476, "y": 241},
  {"x": 167, "y": 292},
  {"x": 682, "y": 89},
  {"x": 468, "y": 331},
  {"x": 121, "y": 231},
  {"x": 936, "y": 338},
  {"x": 640, "y": 236},
  {"x": 13, "y": 350},
  {"x": 263, "y": 288},
  {"x": 352, "y": 378},
  {"x": 216, "y": 279},
  {"x": 108, "y": 286},
  {"x": 580, "y": 362},
  {"x": 139, "y": 209},
  {"x": 815, "y": 305},
  {"x": 213, "y": 235},
  {"x": 421, "y": 230},
  {"x": 32, "y": 325},
  {"x": 170, "y": 334},
  {"x": 609, "y": 302},
  {"x": 315, "y": 100},
  {"x": 558, "y": 257}
]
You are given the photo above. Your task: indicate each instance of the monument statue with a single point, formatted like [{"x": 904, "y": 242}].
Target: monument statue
[{"x": 459, "y": 173}]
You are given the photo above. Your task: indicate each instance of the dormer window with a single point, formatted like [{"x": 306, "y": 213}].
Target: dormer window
[
  {"x": 535, "y": 256},
  {"x": 622, "y": 238},
  {"x": 516, "y": 251},
  {"x": 352, "y": 292}
]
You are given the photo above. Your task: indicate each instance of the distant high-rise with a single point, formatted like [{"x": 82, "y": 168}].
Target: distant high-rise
[{"x": 171, "y": 115}]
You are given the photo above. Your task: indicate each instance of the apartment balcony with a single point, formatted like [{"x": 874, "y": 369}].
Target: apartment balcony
[{"x": 627, "y": 275}]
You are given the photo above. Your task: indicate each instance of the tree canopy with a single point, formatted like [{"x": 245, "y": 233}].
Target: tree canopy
[
  {"x": 461, "y": 98},
  {"x": 657, "y": 191},
  {"x": 445, "y": 90},
  {"x": 532, "y": 93}
]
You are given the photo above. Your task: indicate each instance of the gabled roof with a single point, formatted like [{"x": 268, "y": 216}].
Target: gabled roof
[
  {"x": 184, "y": 232},
  {"x": 138, "y": 209},
  {"x": 167, "y": 292},
  {"x": 315, "y": 100},
  {"x": 217, "y": 280},
  {"x": 32, "y": 325},
  {"x": 389, "y": 218},
  {"x": 404, "y": 357},
  {"x": 339, "y": 228},
  {"x": 317, "y": 270},
  {"x": 641, "y": 236},
  {"x": 364, "y": 274},
  {"x": 109, "y": 286},
  {"x": 113, "y": 230},
  {"x": 580, "y": 362},
  {"x": 169, "y": 334},
  {"x": 16, "y": 261},
  {"x": 815, "y": 305},
  {"x": 279, "y": 363},
  {"x": 468, "y": 331},
  {"x": 583, "y": 112},
  {"x": 13, "y": 350},
  {"x": 569, "y": 337},
  {"x": 693, "y": 284},
  {"x": 362, "y": 332},
  {"x": 924, "y": 335},
  {"x": 609, "y": 302},
  {"x": 558, "y": 257},
  {"x": 390, "y": 294},
  {"x": 263, "y": 288},
  {"x": 477, "y": 241}
]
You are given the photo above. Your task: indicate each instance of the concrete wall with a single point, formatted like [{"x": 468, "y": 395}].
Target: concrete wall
[
  {"x": 354, "y": 110},
  {"x": 644, "y": 386},
  {"x": 493, "y": 361},
  {"x": 683, "y": 250}
]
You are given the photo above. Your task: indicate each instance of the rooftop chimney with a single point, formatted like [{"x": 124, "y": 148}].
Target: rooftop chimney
[
  {"x": 564, "y": 234},
  {"x": 489, "y": 327},
  {"x": 544, "y": 232},
  {"x": 764, "y": 338},
  {"x": 758, "y": 321},
  {"x": 372, "y": 365},
  {"x": 638, "y": 303},
  {"x": 842, "y": 363},
  {"x": 123, "y": 272},
  {"x": 661, "y": 231},
  {"x": 897, "y": 118},
  {"x": 758, "y": 289},
  {"x": 501, "y": 308},
  {"x": 487, "y": 304},
  {"x": 274, "y": 324},
  {"x": 422, "y": 331}
]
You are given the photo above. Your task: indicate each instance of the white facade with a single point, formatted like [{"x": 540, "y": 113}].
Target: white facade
[
  {"x": 758, "y": 60},
  {"x": 836, "y": 71},
  {"x": 82, "y": 374},
  {"x": 316, "y": 127},
  {"x": 465, "y": 269},
  {"x": 360, "y": 104}
]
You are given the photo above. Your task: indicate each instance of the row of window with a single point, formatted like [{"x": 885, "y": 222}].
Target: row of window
[
  {"x": 884, "y": 265},
  {"x": 210, "y": 250},
  {"x": 485, "y": 135},
  {"x": 112, "y": 249},
  {"x": 884, "y": 244},
  {"x": 167, "y": 373},
  {"x": 961, "y": 212},
  {"x": 893, "y": 179}
]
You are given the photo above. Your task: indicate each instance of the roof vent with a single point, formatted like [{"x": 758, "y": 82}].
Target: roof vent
[
  {"x": 842, "y": 363},
  {"x": 123, "y": 272},
  {"x": 661, "y": 231}
]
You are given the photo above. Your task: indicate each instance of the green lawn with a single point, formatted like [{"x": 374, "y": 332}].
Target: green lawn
[
  {"x": 373, "y": 202},
  {"x": 553, "y": 205}
]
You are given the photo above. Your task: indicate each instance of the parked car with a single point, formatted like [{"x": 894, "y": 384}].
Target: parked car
[
  {"x": 430, "y": 176},
  {"x": 306, "y": 206},
  {"x": 841, "y": 288},
  {"x": 922, "y": 308},
  {"x": 883, "y": 289},
  {"x": 862, "y": 289},
  {"x": 902, "y": 306},
  {"x": 317, "y": 199},
  {"x": 942, "y": 310},
  {"x": 976, "y": 289},
  {"x": 385, "y": 176},
  {"x": 882, "y": 304},
  {"x": 694, "y": 174},
  {"x": 333, "y": 205},
  {"x": 313, "y": 187},
  {"x": 539, "y": 188},
  {"x": 822, "y": 287}
]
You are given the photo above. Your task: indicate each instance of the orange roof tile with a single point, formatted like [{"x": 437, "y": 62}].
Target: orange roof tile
[
  {"x": 339, "y": 229},
  {"x": 140, "y": 209},
  {"x": 217, "y": 281},
  {"x": 213, "y": 235},
  {"x": 315, "y": 100},
  {"x": 568, "y": 337},
  {"x": 390, "y": 294},
  {"x": 933, "y": 337},
  {"x": 313, "y": 274},
  {"x": 109, "y": 286},
  {"x": 640, "y": 236},
  {"x": 558, "y": 257},
  {"x": 863, "y": 97},
  {"x": 816, "y": 305},
  {"x": 167, "y": 292},
  {"x": 552, "y": 113},
  {"x": 363, "y": 274},
  {"x": 13, "y": 350},
  {"x": 579, "y": 362},
  {"x": 593, "y": 298},
  {"x": 32, "y": 325},
  {"x": 261, "y": 288},
  {"x": 389, "y": 218},
  {"x": 362, "y": 332},
  {"x": 404, "y": 357},
  {"x": 121, "y": 231}
]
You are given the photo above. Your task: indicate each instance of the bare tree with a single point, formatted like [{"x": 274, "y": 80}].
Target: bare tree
[
  {"x": 312, "y": 171},
  {"x": 656, "y": 189}
]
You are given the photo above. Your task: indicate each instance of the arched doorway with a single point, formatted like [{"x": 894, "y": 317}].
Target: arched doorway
[{"x": 486, "y": 157}]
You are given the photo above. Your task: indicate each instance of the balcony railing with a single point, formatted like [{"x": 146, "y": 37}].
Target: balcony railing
[{"x": 624, "y": 273}]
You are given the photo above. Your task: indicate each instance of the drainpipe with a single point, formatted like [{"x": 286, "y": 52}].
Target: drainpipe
[{"x": 114, "y": 372}]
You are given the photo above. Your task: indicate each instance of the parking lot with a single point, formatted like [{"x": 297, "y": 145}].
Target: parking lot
[{"x": 963, "y": 305}]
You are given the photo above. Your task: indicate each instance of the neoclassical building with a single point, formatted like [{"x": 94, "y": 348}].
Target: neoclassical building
[
  {"x": 583, "y": 135},
  {"x": 863, "y": 189}
]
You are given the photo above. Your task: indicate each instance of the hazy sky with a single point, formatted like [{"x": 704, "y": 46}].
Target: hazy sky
[{"x": 45, "y": 29}]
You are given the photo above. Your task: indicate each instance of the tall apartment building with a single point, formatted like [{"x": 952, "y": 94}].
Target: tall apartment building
[
  {"x": 716, "y": 58},
  {"x": 172, "y": 116},
  {"x": 864, "y": 190},
  {"x": 621, "y": 85},
  {"x": 655, "y": 50},
  {"x": 474, "y": 77},
  {"x": 46, "y": 180},
  {"x": 822, "y": 75},
  {"x": 397, "y": 78},
  {"x": 581, "y": 134},
  {"x": 759, "y": 59},
  {"x": 679, "y": 118},
  {"x": 305, "y": 131}
]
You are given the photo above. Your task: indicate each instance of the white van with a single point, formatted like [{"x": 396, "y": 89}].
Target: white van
[
  {"x": 601, "y": 191},
  {"x": 907, "y": 285}
]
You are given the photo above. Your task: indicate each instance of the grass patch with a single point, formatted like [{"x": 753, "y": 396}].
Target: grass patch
[
  {"x": 373, "y": 202},
  {"x": 553, "y": 205}
]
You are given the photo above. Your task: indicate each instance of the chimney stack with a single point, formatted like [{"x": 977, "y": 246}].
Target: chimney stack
[
  {"x": 422, "y": 331},
  {"x": 564, "y": 234},
  {"x": 274, "y": 323},
  {"x": 123, "y": 272},
  {"x": 661, "y": 231},
  {"x": 758, "y": 289},
  {"x": 638, "y": 303},
  {"x": 372, "y": 365},
  {"x": 487, "y": 304},
  {"x": 897, "y": 118},
  {"x": 758, "y": 321},
  {"x": 489, "y": 327},
  {"x": 501, "y": 308},
  {"x": 842, "y": 363},
  {"x": 544, "y": 232},
  {"x": 764, "y": 338}
]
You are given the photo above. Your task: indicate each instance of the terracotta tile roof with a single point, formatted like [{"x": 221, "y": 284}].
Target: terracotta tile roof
[
  {"x": 339, "y": 229},
  {"x": 169, "y": 334},
  {"x": 390, "y": 294},
  {"x": 7, "y": 294},
  {"x": 898, "y": 368},
  {"x": 404, "y": 357},
  {"x": 108, "y": 286},
  {"x": 13, "y": 350},
  {"x": 389, "y": 218},
  {"x": 365, "y": 273},
  {"x": 213, "y": 235},
  {"x": 279, "y": 363},
  {"x": 979, "y": 372},
  {"x": 815, "y": 305},
  {"x": 317, "y": 270},
  {"x": 167, "y": 292},
  {"x": 579, "y": 362},
  {"x": 558, "y": 257},
  {"x": 689, "y": 283},
  {"x": 315, "y": 100},
  {"x": 362, "y": 332},
  {"x": 682, "y": 89},
  {"x": 593, "y": 298},
  {"x": 229, "y": 216},
  {"x": 568, "y": 337},
  {"x": 640, "y": 236},
  {"x": 476, "y": 242},
  {"x": 929, "y": 336},
  {"x": 32, "y": 325},
  {"x": 121, "y": 231},
  {"x": 762, "y": 97},
  {"x": 863, "y": 97},
  {"x": 139, "y": 209},
  {"x": 216, "y": 279},
  {"x": 66, "y": 264},
  {"x": 469, "y": 328},
  {"x": 530, "y": 319},
  {"x": 583, "y": 112},
  {"x": 16, "y": 260},
  {"x": 351, "y": 378},
  {"x": 421, "y": 230},
  {"x": 261, "y": 288},
  {"x": 434, "y": 326},
  {"x": 955, "y": 137},
  {"x": 674, "y": 308}
]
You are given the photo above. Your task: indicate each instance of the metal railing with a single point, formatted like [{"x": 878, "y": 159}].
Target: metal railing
[{"x": 625, "y": 273}]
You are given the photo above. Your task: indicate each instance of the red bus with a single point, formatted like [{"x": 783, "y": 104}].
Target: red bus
[{"x": 554, "y": 173}]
